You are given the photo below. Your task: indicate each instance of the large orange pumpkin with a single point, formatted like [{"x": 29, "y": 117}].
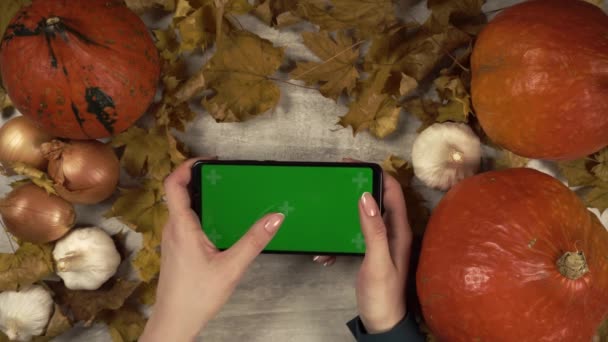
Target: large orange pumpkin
[
  {"x": 513, "y": 255},
  {"x": 81, "y": 69},
  {"x": 540, "y": 79}
]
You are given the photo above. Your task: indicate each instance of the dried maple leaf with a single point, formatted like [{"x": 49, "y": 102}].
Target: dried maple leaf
[
  {"x": 197, "y": 30},
  {"x": 576, "y": 172},
  {"x": 276, "y": 12},
  {"x": 37, "y": 177},
  {"x": 167, "y": 43},
  {"x": 142, "y": 207},
  {"x": 453, "y": 12},
  {"x": 457, "y": 101},
  {"x": 239, "y": 73},
  {"x": 58, "y": 324},
  {"x": 602, "y": 332},
  {"x": 152, "y": 152},
  {"x": 508, "y": 159},
  {"x": 85, "y": 305},
  {"x": 366, "y": 16},
  {"x": 190, "y": 88},
  {"x": 597, "y": 197},
  {"x": 142, "y": 5},
  {"x": 407, "y": 84},
  {"x": 174, "y": 116},
  {"x": 29, "y": 264},
  {"x": 425, "y": 110},
  {"x": 125, "y": 324},
  {"x": 337, "y": 72},
  {"x": 147, "y": 260},
  {"x": 418, "y": 213},
  {"x": 601, "y": 169}
]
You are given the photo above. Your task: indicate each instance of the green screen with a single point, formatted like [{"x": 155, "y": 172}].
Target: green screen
[{"x": 320, "y": 205}]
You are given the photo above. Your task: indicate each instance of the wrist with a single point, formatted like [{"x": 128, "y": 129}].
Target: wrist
[{"x": 382, "y": 325}]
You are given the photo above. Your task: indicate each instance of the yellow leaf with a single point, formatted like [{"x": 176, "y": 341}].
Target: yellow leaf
[
  {"x": 366, "y": 16},
  {"x": 508, "y": 159},
  {"x": 29, "y": 264},
  {"x": 190, "y": 88},
  {"x": 148, "y": 151},
  {"x": 337, "y": 72},
  {"x": 37, "y": 177},
  {"x": 451, "y": 89},
  {"x": 147, "y": 260},
  {"x": 142, "y": 5},
  {"x": 418, "y": 213},
  {"x": 182, "y": 10},
  {"x": 239, "y": 73},
  {"x": 85, "y": 305},
  {"x": 407, "y": 84},
  {"x": 197, "y": 30},
  {"x": 167, "y": 43}
]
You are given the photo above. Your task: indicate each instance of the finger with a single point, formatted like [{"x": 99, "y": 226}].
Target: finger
[
  {"x": 399, "y": 231},
  {"x": 325, "y": 260},
  {"x": 350, "y": 160},
  {"x": 374, "y": 231},
  {"x": 242, "y": 253},
  {"x": 176, "y": 187}
]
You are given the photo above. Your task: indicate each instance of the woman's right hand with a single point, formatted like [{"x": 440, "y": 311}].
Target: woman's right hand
[{"x": 383, "y": 275}]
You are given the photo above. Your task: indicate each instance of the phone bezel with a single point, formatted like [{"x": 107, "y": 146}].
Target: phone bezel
[{"x": 195, "y": 189}]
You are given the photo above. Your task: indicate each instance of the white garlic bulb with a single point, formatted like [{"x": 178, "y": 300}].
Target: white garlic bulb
[
  {"x": 26, "y": 313},
  {"x": 86, "y": 258},
  {"x": 446, "y": 153}
]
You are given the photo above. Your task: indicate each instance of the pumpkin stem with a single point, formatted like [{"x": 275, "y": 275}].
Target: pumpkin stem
[
  {"x": 572, "y": 265},
  {"x": 53, "y": 21}
]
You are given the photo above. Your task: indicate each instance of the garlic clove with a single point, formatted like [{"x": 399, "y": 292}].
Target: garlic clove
[
  {"x": 446, "y": 153},
  {"x": 86, "y": 258},
  {"x": 26, "y": 313}
]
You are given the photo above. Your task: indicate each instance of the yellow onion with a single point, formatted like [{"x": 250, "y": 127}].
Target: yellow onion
[
  {"x": 84, "y": 172},
  {"x": 20, "y": 141},
  {"x": 33, "y": 215}
]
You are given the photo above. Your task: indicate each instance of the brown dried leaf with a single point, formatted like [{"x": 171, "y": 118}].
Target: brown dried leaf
[
  {"x": 151, "y": 152},
  {"x": 142, "y": 208},
  {"x": 174, "y": 116},
  {"x": 576, "y": 172},
  {"x": 337, "y": 72},
  {"x": 453, "y": 12},
  {"x": 85, "y": 305},
  {"x": 139, "y": 6},
  {"x": 598, "y": 196},
  {"x": 168, "y": 44},
  {"x": 425, "y": 110},
  {"x": 239, "y": 73},
  {"x": 37, "y": 177},
  {"x": 457, "y": 101},
  {"x": 190, "y": 88},
  {"x": 277, "y": 12},
  {"x": 29, "y": 264},
  {"x": 418, "y": 213},
  {"x": 8, "y": 9},
  {"x": 197, "y": 30},
  {"x": 366, "y": 16}
]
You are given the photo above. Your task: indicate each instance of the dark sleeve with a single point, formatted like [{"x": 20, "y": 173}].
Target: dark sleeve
[{"x": 406, "y": 330}]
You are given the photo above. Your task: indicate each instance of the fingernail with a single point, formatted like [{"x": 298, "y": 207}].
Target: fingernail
[
  {"x": 316, "y": 258},
  {"x": 369, "y": 205},
  {"x": 274, "y": 222}
]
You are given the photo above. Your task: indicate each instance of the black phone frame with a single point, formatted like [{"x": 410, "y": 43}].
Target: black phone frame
[{"x": 195, "y": 189}]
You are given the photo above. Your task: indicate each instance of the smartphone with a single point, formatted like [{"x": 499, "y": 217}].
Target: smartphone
[{"x": 319, "y": 201}]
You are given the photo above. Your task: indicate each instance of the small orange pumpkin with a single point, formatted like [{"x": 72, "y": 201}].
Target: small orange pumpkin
[
  {"x": 80, "y": 69},
  {"x": 540, "y": 79}
]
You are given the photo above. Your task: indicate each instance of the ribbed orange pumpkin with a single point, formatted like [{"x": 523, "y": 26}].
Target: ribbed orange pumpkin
[
  {"x": 540, "y": 79},
  {"x": 510, "y": 256},
  {"x": 80, "y": 69}
]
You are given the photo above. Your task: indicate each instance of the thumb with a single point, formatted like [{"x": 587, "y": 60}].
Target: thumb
[
  {"x": 374, "y": 231},
  {"x": 244, "y": 251}
]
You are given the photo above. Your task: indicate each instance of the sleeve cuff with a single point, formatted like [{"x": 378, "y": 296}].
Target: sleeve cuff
[{"x": 405, "y": 330}]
